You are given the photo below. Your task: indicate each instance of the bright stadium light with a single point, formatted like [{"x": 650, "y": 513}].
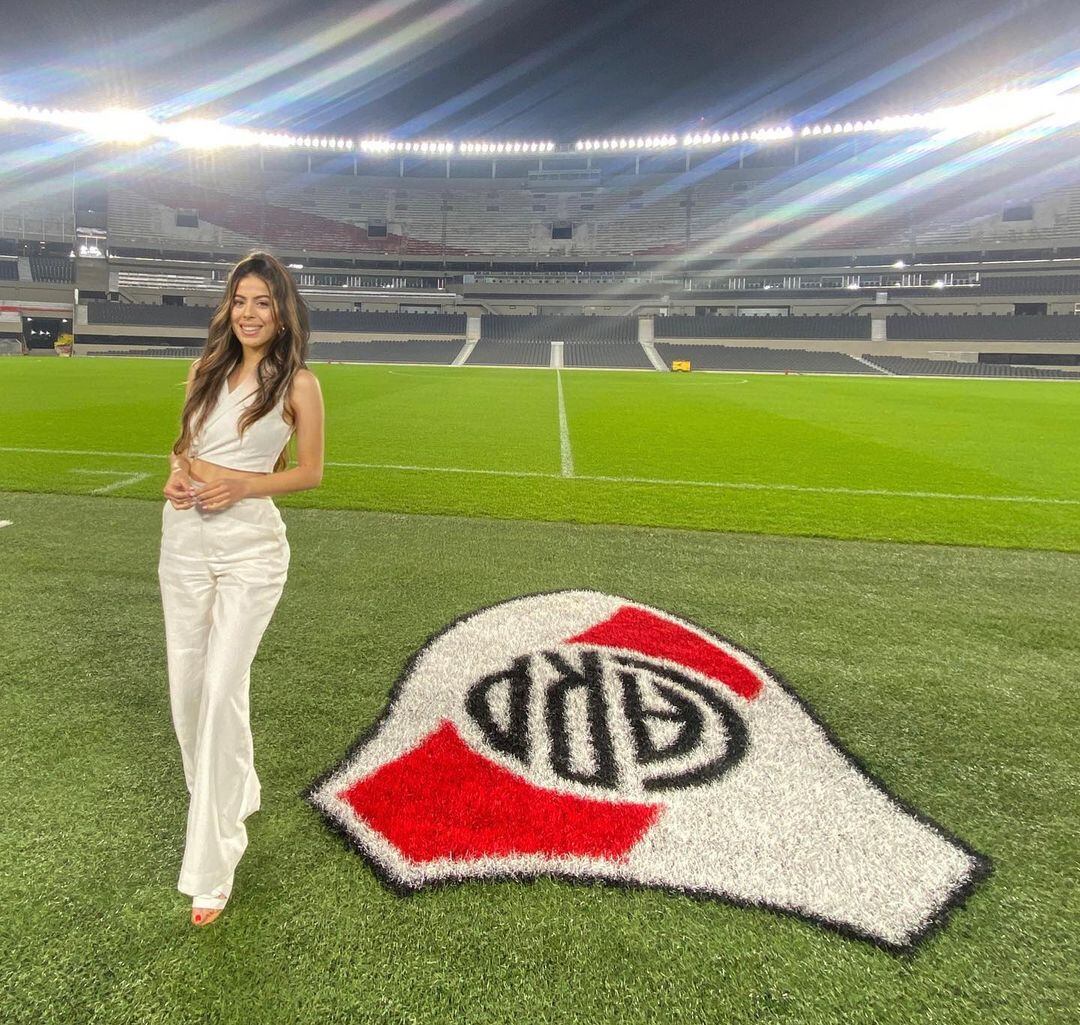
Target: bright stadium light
[{"x": 1051, "y": 105}]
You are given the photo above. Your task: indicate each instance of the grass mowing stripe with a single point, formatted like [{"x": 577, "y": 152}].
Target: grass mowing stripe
[
  {"x": 565, "y": 452},
  {"x": 568, "y": 458}
]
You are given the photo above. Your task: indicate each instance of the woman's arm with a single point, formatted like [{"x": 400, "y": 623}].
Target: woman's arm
[
  {"x": 307, "y": 406},
  {"x": 178, "y": 488}
]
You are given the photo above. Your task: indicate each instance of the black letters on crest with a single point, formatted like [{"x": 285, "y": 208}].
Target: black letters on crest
[{"x": 677, "y": 689}]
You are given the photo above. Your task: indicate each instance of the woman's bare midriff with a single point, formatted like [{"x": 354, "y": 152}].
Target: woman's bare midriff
[{"x": 210, "y": 473}]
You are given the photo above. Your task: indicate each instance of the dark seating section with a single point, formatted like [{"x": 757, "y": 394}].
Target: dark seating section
[
  {"x": 413, "y": 350},
  {"x": 148, "y": 315},
  {"x": 510, "y": 354},
  {"x": 745, "y": 357},
  {"x": 131, "y": 341},
  {"x": 388, "y": 323},
  {"x": 908, "y": 366},
  {"x": 9, "y": 270},
  {"x": 984, "y": 327},
  {"x": 558, "y": 329},
  {"x": 825, "y": 326},
  {"x": 628, "y": 355},
  {"x": 173, "y": 352},
  {"x": 53, "y": 269},
  {"x": 144, "y": 314},
  {"x": 1031, "y": 284}
]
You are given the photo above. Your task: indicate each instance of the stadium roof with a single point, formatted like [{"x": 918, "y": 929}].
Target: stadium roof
[{"x": 527, "y": 69}]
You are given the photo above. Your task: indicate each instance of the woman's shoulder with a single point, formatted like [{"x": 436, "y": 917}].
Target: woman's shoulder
[{"x": 304, "y": 383}]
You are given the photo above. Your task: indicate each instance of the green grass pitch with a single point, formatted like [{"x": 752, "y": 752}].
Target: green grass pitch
[{"x": 904, "y": 552}]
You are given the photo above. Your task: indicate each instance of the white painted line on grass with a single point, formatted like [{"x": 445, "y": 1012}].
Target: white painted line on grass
[
  {"x": 725, "y": 485},
  {"x": 565, "y": 452},
  {"x": 88, "y": 452},
  {"x": 807, "y": 489},
  {"x": 722, "y": 484},
  {"x": 6, "y": 523},
  {"x": 127, "y": 478},
  {"x": 409, "y": 468}
]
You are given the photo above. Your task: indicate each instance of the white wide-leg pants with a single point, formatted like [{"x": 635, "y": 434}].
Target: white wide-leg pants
[{"x": 221, "y": 576}]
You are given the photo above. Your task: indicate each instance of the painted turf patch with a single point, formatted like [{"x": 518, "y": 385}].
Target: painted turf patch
[{"x": 584, "y": 736}]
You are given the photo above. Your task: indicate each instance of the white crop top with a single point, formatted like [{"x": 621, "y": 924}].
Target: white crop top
[{"x": 219, "y": 441}]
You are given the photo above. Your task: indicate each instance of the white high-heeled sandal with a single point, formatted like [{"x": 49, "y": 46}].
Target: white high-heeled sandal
[{"x": 207, "y": 906}]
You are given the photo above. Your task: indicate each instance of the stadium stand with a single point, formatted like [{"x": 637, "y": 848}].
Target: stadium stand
[
  {"x": 754, "y": 358},
  {"x": 627, "y": 355},
  {"x": 389, "y": 323},
  {"x": 147, "y": 314},
  {"x": 984, "y": 327},
  {"x": 412, "y": 350},
  {"x": 825, "y": 326},
  {"x": 1031, "y": 284},
  {"x": 908, "y": 366},
  {"x": 126, "y": 342},
  {"x": 555, "y": 328},
  {"x": 719, "y": 208},
  {"x": 53, "y": 269},
  {"x": 172, "y": 352},
  {"x": 9, "y": 270},
  {"x": 510, "y": 354}
]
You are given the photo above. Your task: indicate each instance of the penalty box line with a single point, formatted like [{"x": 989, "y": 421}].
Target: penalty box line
[{"x": 597, "y": 478}]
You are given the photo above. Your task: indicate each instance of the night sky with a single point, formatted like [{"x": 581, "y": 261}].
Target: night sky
[{"x": 527, "y": 68}]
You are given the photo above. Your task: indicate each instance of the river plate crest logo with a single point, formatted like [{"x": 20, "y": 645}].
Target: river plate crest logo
[{"x": 584, "y": 736}]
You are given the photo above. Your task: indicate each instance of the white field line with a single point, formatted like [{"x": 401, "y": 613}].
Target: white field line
[
  {"x": 565, "y": 452},
  {"x": 126, "y": 479},
  {"x": 6, "y": 523},
  {"x": 724, "y": 485}
]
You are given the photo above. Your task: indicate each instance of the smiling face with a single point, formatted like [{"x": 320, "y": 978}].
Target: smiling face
[{"x": 253, "y": 320}]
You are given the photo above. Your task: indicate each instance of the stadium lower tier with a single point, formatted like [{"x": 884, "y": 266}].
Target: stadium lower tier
[
  {"x": 745, "y": 357},
  {"x": 908, "y": 366},
  {"x": 510, "y": 354},
  {"x": 615, "y": 356},
  {"x": 411, "y": 351},
  {"x": 624, "y": 355}
]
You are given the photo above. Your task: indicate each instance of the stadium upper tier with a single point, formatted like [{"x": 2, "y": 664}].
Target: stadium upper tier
[
  {"x": 903, "y": 194},
  {"x": 148, "y": 315}
]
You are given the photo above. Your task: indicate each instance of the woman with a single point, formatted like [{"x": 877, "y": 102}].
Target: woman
[{"x": 224, "y": 556}]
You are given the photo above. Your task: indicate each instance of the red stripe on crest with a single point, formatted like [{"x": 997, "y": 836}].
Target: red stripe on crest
[
  {"x": 641, "y": 631},
  {"x": 443, "y": 800}
]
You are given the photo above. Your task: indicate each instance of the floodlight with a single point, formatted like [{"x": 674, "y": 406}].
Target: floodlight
[{"x": 116, "y": 125}]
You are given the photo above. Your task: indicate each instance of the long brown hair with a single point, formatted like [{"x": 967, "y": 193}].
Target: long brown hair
[{"x": 223, "y": 353}]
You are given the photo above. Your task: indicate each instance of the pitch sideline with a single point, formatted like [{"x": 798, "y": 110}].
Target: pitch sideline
[{"x": 600, "y": 479}]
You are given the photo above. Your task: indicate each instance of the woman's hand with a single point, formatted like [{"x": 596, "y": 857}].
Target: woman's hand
[
  {"x": 178, "y": 490},
  {"x": 223, "y": 493}
]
